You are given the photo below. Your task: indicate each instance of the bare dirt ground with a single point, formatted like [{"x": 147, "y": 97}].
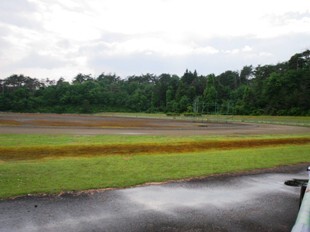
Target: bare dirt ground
[{"x": 21, "y": 123}]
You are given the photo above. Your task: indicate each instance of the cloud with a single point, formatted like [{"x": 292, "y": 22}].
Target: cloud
[
  {"x": 154, "y": 46},
  {"x": 237, "y": 52},
  {"x": 138, "y": 36},
  {"x": 35, "y": 60},
  {"x": 288, "y": 18},
  {"x": 19, "y": 13}
]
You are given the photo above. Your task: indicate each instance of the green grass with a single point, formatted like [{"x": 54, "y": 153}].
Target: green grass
[
  {"x": 8, "y": 140},
  {"x": 282, "y": 120},
  {"x": 20, "y": 140},
  {"x": 132, "y": 115},
  {"x": 56, "y": 175},
  {"x": 53, "y": 175}
]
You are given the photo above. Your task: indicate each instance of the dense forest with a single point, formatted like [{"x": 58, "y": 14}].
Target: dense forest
[{"x": 281, "y": 89}]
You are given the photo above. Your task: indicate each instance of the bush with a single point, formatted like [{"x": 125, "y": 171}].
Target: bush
[
  {"x": 173, "y": 114},
  {"x": 192, "y": 114}
]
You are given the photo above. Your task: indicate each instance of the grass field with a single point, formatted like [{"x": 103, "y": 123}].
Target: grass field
[
  {"x": 281, "y": 120},
  {"x": 68, "y": 174},
  {"x": 46, "y": 163},
  {"x": 56, "y": 163},
  {"x": 34, "y": 140}
]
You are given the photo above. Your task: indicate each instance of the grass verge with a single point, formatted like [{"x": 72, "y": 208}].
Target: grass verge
[
  {"x": 265, "y": 119},
  {"x": 33, "y": 140},
  {"x": 68, "y": 174},
  {"x": 268, "y": 119},
  {"x": 48, "y": 152}
]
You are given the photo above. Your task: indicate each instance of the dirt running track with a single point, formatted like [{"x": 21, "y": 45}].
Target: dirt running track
[{"x": 16, "y": 123}]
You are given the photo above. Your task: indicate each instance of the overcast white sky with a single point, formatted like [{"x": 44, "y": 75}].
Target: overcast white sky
[{"x": 61, "y": 38}]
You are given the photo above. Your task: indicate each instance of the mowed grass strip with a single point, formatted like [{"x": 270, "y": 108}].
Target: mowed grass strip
[
  {"x": 285, "y": 120},
  {"x": 282, "y": 120},
  {"x": 33, "y": 140},
  {"x": 117, "y": 171},
  {"x": 32, "y": 153},
  {"x": 30, "y": 140}
]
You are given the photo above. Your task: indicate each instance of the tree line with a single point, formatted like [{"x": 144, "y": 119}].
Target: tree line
[{"x": 281, "y": 89}]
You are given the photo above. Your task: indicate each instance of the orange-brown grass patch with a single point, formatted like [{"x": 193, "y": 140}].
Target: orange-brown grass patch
[
  {"x": 10, "y": 122},
  {"x": 32, "y": 153}
]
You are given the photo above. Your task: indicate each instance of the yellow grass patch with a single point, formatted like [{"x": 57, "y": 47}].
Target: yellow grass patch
[
  {"x": 10, "y": 123},
  {"x": 31, "y": 153}
]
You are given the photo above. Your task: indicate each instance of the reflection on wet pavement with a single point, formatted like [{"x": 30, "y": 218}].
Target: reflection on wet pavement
[
  {"x": 163, "y": 198},
  {"x": 246, "y": 203}
]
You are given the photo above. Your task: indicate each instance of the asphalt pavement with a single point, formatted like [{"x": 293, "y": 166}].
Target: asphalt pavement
[{"x": 252, "y": 202}]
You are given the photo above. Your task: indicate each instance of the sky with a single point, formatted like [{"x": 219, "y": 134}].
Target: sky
[{"x": 61, "y": 38}]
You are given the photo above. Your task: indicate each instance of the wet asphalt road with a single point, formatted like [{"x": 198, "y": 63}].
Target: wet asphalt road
[{"x": 259, "y": 202}]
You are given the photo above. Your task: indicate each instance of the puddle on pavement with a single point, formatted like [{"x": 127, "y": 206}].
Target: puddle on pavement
[
  {"x": 170, "y": 197},
  {"x": 131, "y": 209}
]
